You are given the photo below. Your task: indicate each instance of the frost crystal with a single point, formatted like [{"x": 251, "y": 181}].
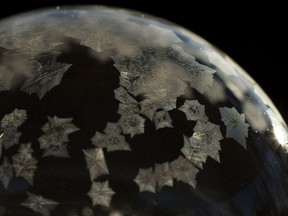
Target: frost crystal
[
  {"x": 194, "y": 151},
  {"x": 184, "y": 171},
  {"x": 162, "y": 119},
  {"x": 43, "y": 81},
  {"x": 140, "y": 72},
  {"x": 10, "y": 138},
  {"x": 101, "y": 194},
  {"x": 14, "y": 119},
  {"x": 132, "y": 124},
  {"x": 160, "y": 76},
  {"x": 112, "y": 140},
  {"x": 6, "y": 173},
  {"x": 96, "y": 162},
  {"x": 148, "y": 108},
  {"x": 197, "y": 151},
  {"x": 201, "y": 76},
  {"x": 150, "y": 105},
  {"x": 39, "y": 204},
  {"x": 24, "y": 164},
  {"x": 146, "y": 180},
  {"x": 25, "y": 150},
  {"x": 203, "y": 143},
  {"x": 134, "y": 69},
  {"x": 193, "y": 110},
  {"x": 122, "y": 95},
  {"x": 207, "y": 133},
  {"x": 236, "y": 127},
  {"x": 21, "y": 65},
  {"x": 48, "y": 58},
  {"x": 127, "y": 102},
  {"x": 8, "y": 126},
  {"x": 55, "y": 136},
  {"x": 163, "y": 175}
]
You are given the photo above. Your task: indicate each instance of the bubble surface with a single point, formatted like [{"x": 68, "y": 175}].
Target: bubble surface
[{"x": 107, "y": 111}]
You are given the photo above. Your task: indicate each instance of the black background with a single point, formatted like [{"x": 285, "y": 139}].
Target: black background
[{"x": 253, "y": 35}]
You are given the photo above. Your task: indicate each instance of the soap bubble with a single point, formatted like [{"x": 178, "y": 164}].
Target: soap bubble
[{"x": 107, "y": 111}]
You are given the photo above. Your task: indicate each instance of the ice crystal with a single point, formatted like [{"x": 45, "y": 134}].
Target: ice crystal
[
  {"x": 132, "y": 124},
  {"x": 163, "y": 175},
  {"x": 55, "y": 137},
  {"x": 127, "y": 102},
  {"x": 6, "y": 173},
  {"x": 162, "y": 119},
  {"x": 24, "y": 164},
  {"x": 236, "y": 127},
  {"x": 146, "y": 180},
  {"x": 8, "y": 126},
  {"x": 204, "y": 142},
  {"x": 112, "y": 140},
  {"x": 193, "y": 110},
  {"x": 101, "y": 194},
  {"x": 96, "y": 162},
  {"x": 184, "y": 171},
  {"x": 49, "y": 77},
  {"x": 39, "y": 204}
]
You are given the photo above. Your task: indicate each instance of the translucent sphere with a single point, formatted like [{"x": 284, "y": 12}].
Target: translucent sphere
[{"x": 112, "y": 112}]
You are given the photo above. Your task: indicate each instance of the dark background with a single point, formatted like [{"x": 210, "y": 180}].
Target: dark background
[{"x": 253, "y": 35}]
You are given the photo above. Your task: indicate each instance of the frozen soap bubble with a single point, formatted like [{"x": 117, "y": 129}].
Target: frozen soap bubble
[{"x": 111, "y": 112}]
